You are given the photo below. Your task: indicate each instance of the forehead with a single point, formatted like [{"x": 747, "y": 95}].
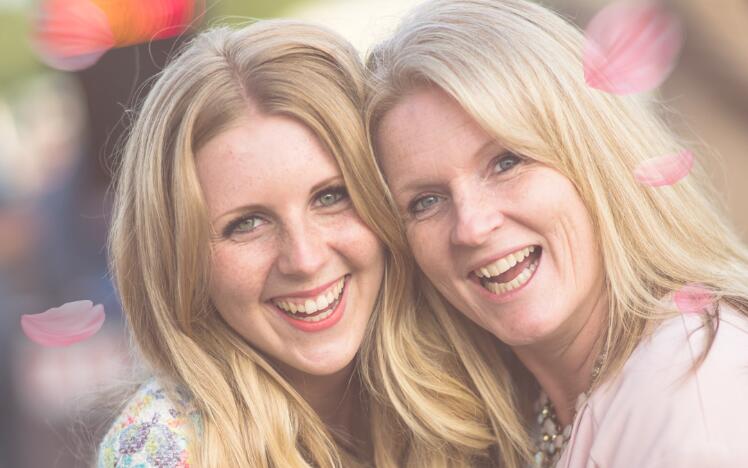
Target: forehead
[
  {"x": 426, "y": 129},
  {"x": 260, "y": 155}
]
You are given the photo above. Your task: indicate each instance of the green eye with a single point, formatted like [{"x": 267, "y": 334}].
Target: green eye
[{"x": 424, "y": 203}]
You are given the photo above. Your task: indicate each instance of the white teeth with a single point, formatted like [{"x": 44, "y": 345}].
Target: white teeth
[
  {"x": 312, "y": 305},
  {"x": 500, "y": 288},
  {"x": 503, "y": 264},
  {"x": 316, "y": 318}
]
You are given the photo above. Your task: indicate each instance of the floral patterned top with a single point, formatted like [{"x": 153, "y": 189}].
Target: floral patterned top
[{"x": 150, "y": 432}]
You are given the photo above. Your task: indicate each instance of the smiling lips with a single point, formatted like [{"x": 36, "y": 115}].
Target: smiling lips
[
  {"x": 312, "y": 309},
  {"x": 509, "y": 272}
]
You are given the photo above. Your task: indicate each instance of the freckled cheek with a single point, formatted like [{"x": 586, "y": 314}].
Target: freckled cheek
[
  {"x": 429, "y": 247},
  {"x": 238, "y": 276},
  {"x": 356, "y": 242}
]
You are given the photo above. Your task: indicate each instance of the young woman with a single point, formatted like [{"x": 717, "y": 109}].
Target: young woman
[
  {"x": 514, "y": 181},
  {"x": 252, "y": 272}
]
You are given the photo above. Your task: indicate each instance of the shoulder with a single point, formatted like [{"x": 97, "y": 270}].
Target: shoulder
[
  {"x": 669, "y": 409},
  {"x": 150, "y": 431},
  {"x": 669, "y": 356}
]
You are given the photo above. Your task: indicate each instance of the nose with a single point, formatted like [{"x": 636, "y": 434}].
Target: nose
[
  {"x": 303, "y": 251},
  {"x": 478, "y": 214}
]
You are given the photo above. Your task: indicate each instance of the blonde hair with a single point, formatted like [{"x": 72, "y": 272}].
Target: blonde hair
[
  {"x": 516, "y": 68},
  {"x": 160, "y": 253}
]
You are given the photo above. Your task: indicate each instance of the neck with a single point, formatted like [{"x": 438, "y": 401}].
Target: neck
[
  {"x": 563, "y": 364},
  {"x": 335, "y": 398}
]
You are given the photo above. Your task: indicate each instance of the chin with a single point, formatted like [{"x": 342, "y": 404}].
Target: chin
[
  {"x": 330, "y": 363},
  {"x": 526, "y": 329}
]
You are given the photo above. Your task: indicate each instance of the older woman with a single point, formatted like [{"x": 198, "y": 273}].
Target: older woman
[
  {"x": 514, "y": 182},
  {"x": 252, "y": 274}
]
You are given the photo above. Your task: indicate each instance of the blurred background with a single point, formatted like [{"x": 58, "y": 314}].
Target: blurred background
[{"x": 58, "y": 131}]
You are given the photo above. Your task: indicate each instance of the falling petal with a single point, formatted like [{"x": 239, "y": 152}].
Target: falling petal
[
  {"x": 64, "y": 325},
  {"x": 693, "y": 298},
  {"x": 73, "y": 63},
  {"x": 72, "y": 34},
  {"x": 631, "y": 47},
  {"x": 176, "y": 19},
  {"x": 137, "y": 21},
  {"x": 664, "y": 170}
]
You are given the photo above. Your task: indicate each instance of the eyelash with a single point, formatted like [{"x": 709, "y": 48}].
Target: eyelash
[
  {"x": 339, "y": 190},
  {"x": 495, "y": 162}
]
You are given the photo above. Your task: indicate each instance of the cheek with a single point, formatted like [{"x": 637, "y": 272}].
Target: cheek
[
  {"x": 418, "y": 241},
  {"x": 356, "y": 242},
  {"x": 430, "y": 249},
  {"x": 565, "y": 222},
  {"x": 238, "y": 275}
]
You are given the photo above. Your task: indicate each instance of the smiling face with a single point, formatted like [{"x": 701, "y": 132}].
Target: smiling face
[
  {"x": 507, "y": 240},
  {"x": 294, "y": 269}
]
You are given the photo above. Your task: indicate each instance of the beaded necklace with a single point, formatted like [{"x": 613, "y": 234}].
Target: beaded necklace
[{"x": 552, "y": 439}]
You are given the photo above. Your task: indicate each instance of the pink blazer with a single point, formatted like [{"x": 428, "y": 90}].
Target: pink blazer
[{"x": 657, "y": 414}]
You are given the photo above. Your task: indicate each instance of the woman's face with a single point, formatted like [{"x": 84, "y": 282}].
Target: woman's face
[
  {"x": 294, "y": 270},
  {"x": 508, "y": 241}
]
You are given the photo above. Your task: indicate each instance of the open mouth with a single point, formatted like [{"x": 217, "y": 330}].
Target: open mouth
[
  {"x": 313, "y": 309},
  {"x": 511, "y": 271}
]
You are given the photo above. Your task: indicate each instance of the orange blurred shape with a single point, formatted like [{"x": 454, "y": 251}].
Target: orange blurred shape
[{"x": 74, "y": 34}]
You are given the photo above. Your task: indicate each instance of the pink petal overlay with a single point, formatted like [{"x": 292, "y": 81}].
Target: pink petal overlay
[
  {"x": 72, "y": 34},
  {"x": 693, "y": 298},
  {"x": 631, "y": 47},
  {"x": 64, "y": 325},
  {"x": 664, "y": 170},
  {"x": 137, "y": 21}
]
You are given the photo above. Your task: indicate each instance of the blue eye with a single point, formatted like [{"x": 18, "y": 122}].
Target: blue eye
[
  {"x": 506, "y": 162},
  {"x": 424, "y": 203},
  {"x": 243, "y": 225},
  {"x": 331, "y": 196}
]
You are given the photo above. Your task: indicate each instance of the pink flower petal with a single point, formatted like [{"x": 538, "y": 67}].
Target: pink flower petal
[
  {"x": 693, "y": 298},
  {"x": 64, "y": 325},
  {"x": 631, "y": 47},
  {"x": 72, "y": 34},
  {"x": 176, "y": 18},
  {"x": 138, "y": 21},
  {"x": 664, "y": 170},
  {"x": 72, "y": 63}
]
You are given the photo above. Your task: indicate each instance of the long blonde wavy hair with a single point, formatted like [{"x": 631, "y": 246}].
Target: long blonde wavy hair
[
  {"x": 160, "y": 254},
  {"x": 516, "y": 68}
]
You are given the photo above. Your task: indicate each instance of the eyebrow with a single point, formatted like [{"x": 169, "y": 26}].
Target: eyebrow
[
  {"x": 255, "y": 207},
  {"x": 418, "y": 184}
]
